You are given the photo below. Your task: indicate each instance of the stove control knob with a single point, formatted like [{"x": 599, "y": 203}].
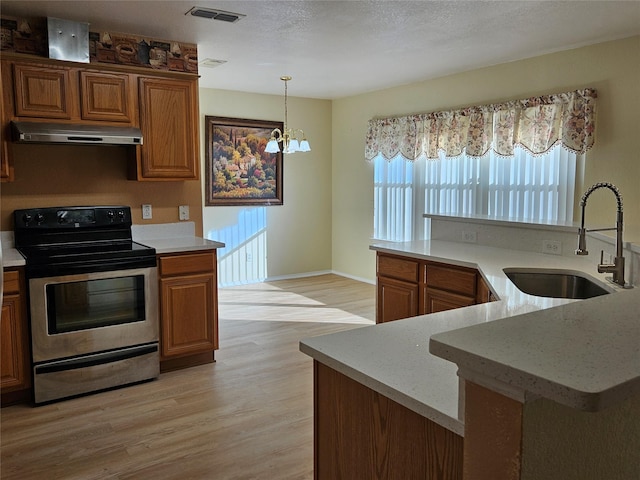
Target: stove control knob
[
  {"x": 39, "y": 217},
  {"x": 121, "y": 214},
  {"x": 26, "y": 218},
  {"x": 110, "y": 213}
]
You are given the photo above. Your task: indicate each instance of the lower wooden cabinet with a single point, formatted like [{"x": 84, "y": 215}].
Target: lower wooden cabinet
[
  {"x": 15, "y": 371},
  {"x": 448, "y": 287},
  {"x": 396, "y": 299},
  {"x": 407, "y": 287},
  {"x": 398, "y": 288},
  {"x": 189, "y": 309},
  {"x": 440, "y": 300}
]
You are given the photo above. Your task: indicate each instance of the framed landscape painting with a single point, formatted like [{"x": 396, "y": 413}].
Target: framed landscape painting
[{"x": 239, "y": 171}]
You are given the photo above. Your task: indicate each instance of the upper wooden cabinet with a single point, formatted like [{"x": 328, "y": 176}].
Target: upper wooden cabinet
[
  {"x": 169, "y": 123},
  {"x": 108, "y": 97},
  {"x": 163, "y": 104},
  {"x": 43, "y": 91},
  {"x": 6, "y": 162}
]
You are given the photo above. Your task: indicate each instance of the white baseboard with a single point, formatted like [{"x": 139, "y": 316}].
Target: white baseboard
[{"x": 309, "y": 274}]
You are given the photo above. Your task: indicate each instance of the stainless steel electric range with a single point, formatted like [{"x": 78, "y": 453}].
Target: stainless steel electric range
[{"x": 93, "y": 299}]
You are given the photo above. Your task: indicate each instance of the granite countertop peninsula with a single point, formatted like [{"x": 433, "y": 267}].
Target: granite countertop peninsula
[{"x": 565, "y": 350}]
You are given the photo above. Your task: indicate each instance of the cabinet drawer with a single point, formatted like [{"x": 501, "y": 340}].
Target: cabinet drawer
[
  {"x": 11, "y": 281},
  {"x": 458, "y": 280},
  {"x": 399, "y": 268},
  {"x": 187, "y": 263}
]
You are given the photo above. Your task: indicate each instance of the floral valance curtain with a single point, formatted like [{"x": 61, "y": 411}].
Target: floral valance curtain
[{"x": 536, "y": 124}]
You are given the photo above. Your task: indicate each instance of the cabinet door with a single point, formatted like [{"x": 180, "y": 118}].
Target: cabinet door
[
  {"x": 484, "y": 292},
  {"x": 107, "y": 97},
  {"x": 188, "y": 310},
  {"x": 6, "y": 162},
  {"x": 14, "y": 350},
  {"x": 169, "y": 124},
  {"x": 43, "y": 91},
  {"x": 440, "y": 300},
  {"x": 396, "y": 300}
]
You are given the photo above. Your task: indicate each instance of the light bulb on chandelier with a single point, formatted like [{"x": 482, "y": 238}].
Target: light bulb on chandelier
[{"x": 289, "y": 137}]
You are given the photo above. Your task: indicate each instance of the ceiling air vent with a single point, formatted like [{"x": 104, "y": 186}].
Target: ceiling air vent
[{"x": 221, "y": 15}]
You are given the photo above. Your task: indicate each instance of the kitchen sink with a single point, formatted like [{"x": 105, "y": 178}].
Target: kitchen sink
[{"x": 545, "y": 282}]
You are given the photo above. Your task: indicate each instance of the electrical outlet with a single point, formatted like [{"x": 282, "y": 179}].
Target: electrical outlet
[
  {"x": 184, "y": 212},
  {"x": 249, "y": 257},
  {"x": 146, "y": 212},
  {"x": 469, "y": 236},
  {"x": 553, "y": 247}
]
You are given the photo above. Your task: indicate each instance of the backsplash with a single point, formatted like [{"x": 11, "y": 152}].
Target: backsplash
[{"x": 548, "y": 239}]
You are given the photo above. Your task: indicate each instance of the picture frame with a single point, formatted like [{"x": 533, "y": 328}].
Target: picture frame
[{"x": 238, "y": 170}]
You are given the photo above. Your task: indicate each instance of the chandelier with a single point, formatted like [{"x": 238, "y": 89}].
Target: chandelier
[{"x": 293, "y": 139}]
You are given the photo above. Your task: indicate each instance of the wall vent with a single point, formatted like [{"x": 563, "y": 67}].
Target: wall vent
[{"x": 211, "y": 14}]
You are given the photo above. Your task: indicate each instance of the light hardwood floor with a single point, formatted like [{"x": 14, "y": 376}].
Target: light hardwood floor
[{"x": 247, "y": 416}]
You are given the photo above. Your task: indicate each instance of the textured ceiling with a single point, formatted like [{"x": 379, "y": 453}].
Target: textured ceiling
[{"x": 337, "y": 48}]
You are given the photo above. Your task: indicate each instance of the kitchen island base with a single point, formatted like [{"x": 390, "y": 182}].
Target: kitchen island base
[
  {"x": 542, "y": 439},
  {"x": 359, "y": 433}
]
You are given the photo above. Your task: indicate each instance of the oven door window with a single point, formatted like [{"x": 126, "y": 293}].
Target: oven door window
[{"x": 95, "y": 303}]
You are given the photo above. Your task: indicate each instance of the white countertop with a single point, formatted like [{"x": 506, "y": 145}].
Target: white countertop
[
  {"x": 394, "y": 358},
  {"x": 9, "y": 256}
]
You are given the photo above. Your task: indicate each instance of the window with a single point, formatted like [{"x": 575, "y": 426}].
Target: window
[
  {"x": 513, "y": 161},
  {"x": 525, "y": 187}
]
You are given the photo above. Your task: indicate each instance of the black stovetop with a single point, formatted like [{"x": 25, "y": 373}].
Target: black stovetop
[{"x": 68, "y": 240}]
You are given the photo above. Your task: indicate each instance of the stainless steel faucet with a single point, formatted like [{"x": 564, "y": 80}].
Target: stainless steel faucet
[{"x": 617, "y": 268}]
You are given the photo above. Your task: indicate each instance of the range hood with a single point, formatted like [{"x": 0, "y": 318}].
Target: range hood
[{"x": 36, "y": 132}]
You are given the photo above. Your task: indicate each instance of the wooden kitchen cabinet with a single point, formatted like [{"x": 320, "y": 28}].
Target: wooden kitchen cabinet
[
  {"x": 169, "y": 124},
  {"x": 189, "y": 309},
  {"x": 448, "y": 287},
  {"x": 15, "y": 370},
  {"x": 484, "y": 293},
  {"x": 407, "y": 287},
  {"x": 397, "y": 286},
  {"x": 163, "y": 104},
  {"x": 440, "y": 300},
  {"x": 109, "y": 97},
  {"x": 43, "y": 91},
  {"x": 6, "y": 160},
  {"x": 65, "y": 93}
]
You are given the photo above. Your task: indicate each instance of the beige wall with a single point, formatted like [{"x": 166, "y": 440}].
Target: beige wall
[
  {"x": 612, "y": 68},
  {"x": 68, "y": 175},
  {"x": 299, "y": 232},
  {"x": 326, "y": 222}
]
